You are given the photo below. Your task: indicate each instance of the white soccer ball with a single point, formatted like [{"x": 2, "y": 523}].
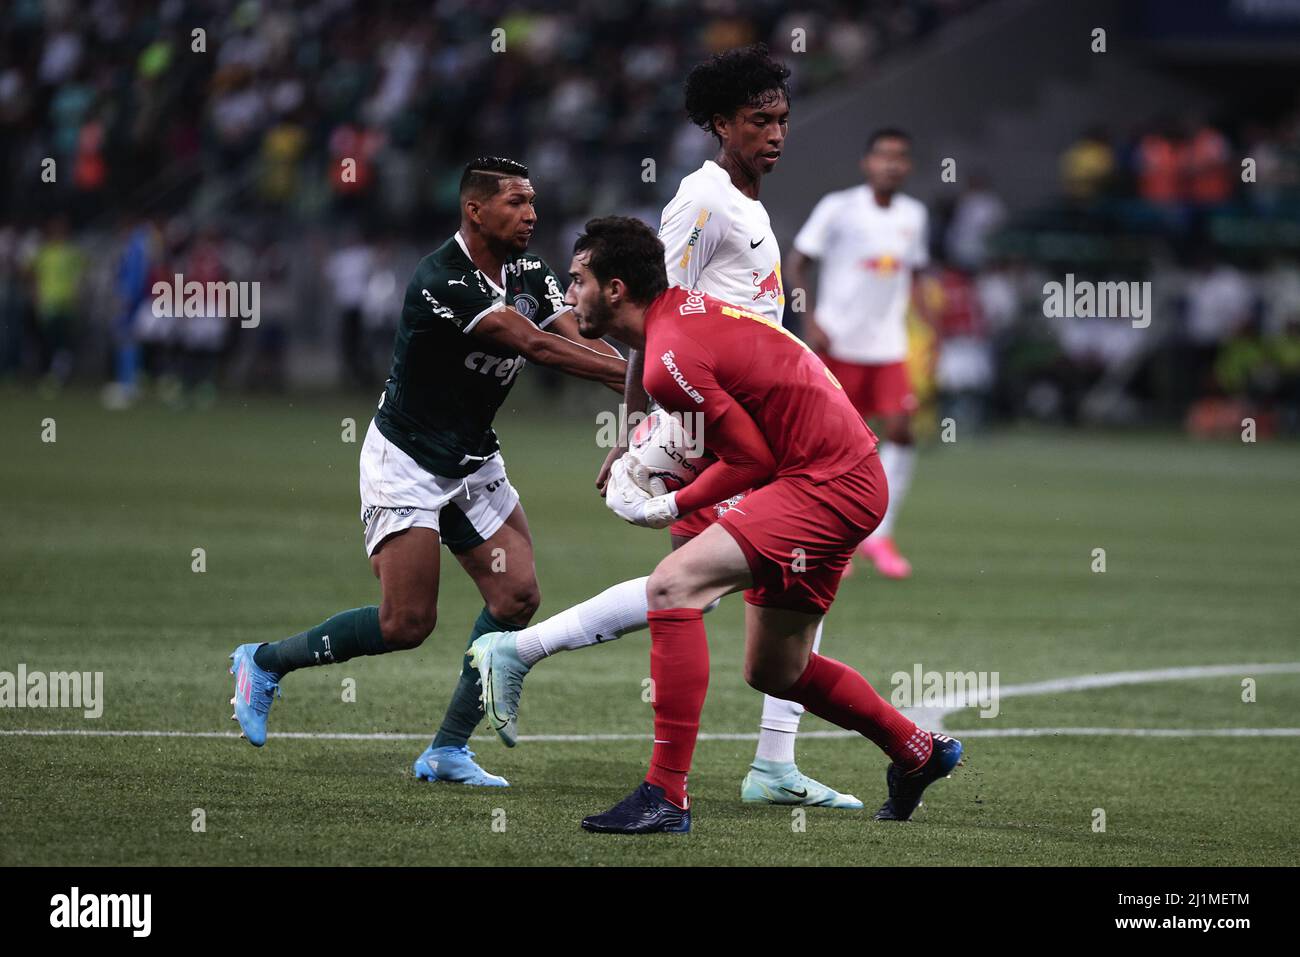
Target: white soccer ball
[{"x": 663, "y": 456}]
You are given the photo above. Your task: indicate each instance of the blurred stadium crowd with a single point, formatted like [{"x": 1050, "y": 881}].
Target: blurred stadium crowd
[
  {"x": 1166, "y": 203},
  {"x": 225, "y": 162}
]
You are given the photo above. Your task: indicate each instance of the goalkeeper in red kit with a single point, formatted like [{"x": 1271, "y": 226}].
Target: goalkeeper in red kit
[{"x": 778, "y": 423}]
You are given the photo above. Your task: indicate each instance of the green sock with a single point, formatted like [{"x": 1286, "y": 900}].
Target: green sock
[
  {"x": 349, "y": 634},
  {"x": 465, "y": 712}
]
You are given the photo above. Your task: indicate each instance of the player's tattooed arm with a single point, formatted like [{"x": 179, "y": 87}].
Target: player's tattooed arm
[
  {"x": 635, "y": 399},
  {"x": 509, "y": 329}
]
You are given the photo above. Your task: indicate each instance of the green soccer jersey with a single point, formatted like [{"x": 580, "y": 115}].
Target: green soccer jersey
[{"x": 446, "y": 385}]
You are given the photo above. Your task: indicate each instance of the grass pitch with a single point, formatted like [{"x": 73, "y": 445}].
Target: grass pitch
[{"x": 96, "y": 561}]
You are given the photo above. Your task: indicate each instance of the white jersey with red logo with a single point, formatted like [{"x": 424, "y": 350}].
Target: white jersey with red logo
[
  {"x": 719, "y": 241},
  {"x": 867, "y": 253}
]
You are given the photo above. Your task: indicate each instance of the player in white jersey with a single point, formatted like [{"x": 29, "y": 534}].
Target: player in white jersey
[
  {"x": 718, "y": 239},
  {"x": 869, "y": 241}
]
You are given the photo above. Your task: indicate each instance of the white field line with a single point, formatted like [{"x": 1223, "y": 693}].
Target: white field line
[
  {"x": 704, "y": 736},
  {"x": 933, "y": 716}
]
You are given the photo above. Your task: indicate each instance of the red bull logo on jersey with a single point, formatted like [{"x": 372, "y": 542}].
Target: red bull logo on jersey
[
  {"x": 886, "y": 264},
  {"x": 694, "y": 304},
  {"x": 769, "y": 285},
  {"x": 722, "y": 508}
]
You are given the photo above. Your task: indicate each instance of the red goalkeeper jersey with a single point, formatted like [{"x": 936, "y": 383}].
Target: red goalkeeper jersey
[{"x": 771, "y": 408}]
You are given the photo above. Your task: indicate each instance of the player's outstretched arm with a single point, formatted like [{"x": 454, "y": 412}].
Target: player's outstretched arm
[
  {"x": 565, "y": 325},
  {"x": 510, "y": 330},
  {"x": 635, "y": 399}
]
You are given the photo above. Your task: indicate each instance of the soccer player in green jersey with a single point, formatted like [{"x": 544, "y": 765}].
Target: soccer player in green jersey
[{"x": 475, "y": 311}]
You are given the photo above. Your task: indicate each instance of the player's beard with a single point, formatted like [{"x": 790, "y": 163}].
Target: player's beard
[
  {"x": 505, "y": 245},
  {"x": 596, "y": 319}
]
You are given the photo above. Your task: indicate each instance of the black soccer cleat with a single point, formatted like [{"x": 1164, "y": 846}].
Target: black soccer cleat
[
  {"x": 645, "y": 811},
  {"x": 906, "y": 787}
]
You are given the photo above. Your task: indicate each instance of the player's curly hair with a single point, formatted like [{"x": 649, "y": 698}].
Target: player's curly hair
[
  {"x": 484, "y": 174},
  {"x": 725, "y": 82},
  {"x": 625, "y": 248}
]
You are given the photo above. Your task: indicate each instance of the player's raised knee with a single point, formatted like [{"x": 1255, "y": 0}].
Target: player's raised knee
[
  {"x": 518, "y": 605},
  {"x": 670, "y": 587},
  {"x": 406, "y": 628},
  {"x": 659, "y": 590},
  {"x": 766, "y": 678}
]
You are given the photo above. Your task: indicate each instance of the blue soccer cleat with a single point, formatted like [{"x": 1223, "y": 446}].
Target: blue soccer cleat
[
  {"x": 771, "y": 782},
  {"x": 905, "y": 788},
  {"x": 455, "y": 765},
  {"x": 255, "y": 689},
  {"x": 645, "y": 811},
  {"x": 501, "y": 676}
]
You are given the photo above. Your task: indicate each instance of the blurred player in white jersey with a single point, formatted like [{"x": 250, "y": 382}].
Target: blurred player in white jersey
[
  {"x": 718, "y": 240},
  {"x": 869, "y": 240}
]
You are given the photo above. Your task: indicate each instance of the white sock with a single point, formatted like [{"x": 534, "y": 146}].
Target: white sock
[
  {"x": 611, "y": 614},
  {"x": 780, "y": 723},
  {"x": 898, "y": 462}
]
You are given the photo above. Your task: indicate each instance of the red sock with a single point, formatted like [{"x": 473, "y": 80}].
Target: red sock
[
  {"x": 834, "y": 691},
  {"x": 679, "y": 671}
]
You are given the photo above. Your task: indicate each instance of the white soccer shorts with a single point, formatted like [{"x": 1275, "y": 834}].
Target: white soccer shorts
[{"x": 397, "y": 494}]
